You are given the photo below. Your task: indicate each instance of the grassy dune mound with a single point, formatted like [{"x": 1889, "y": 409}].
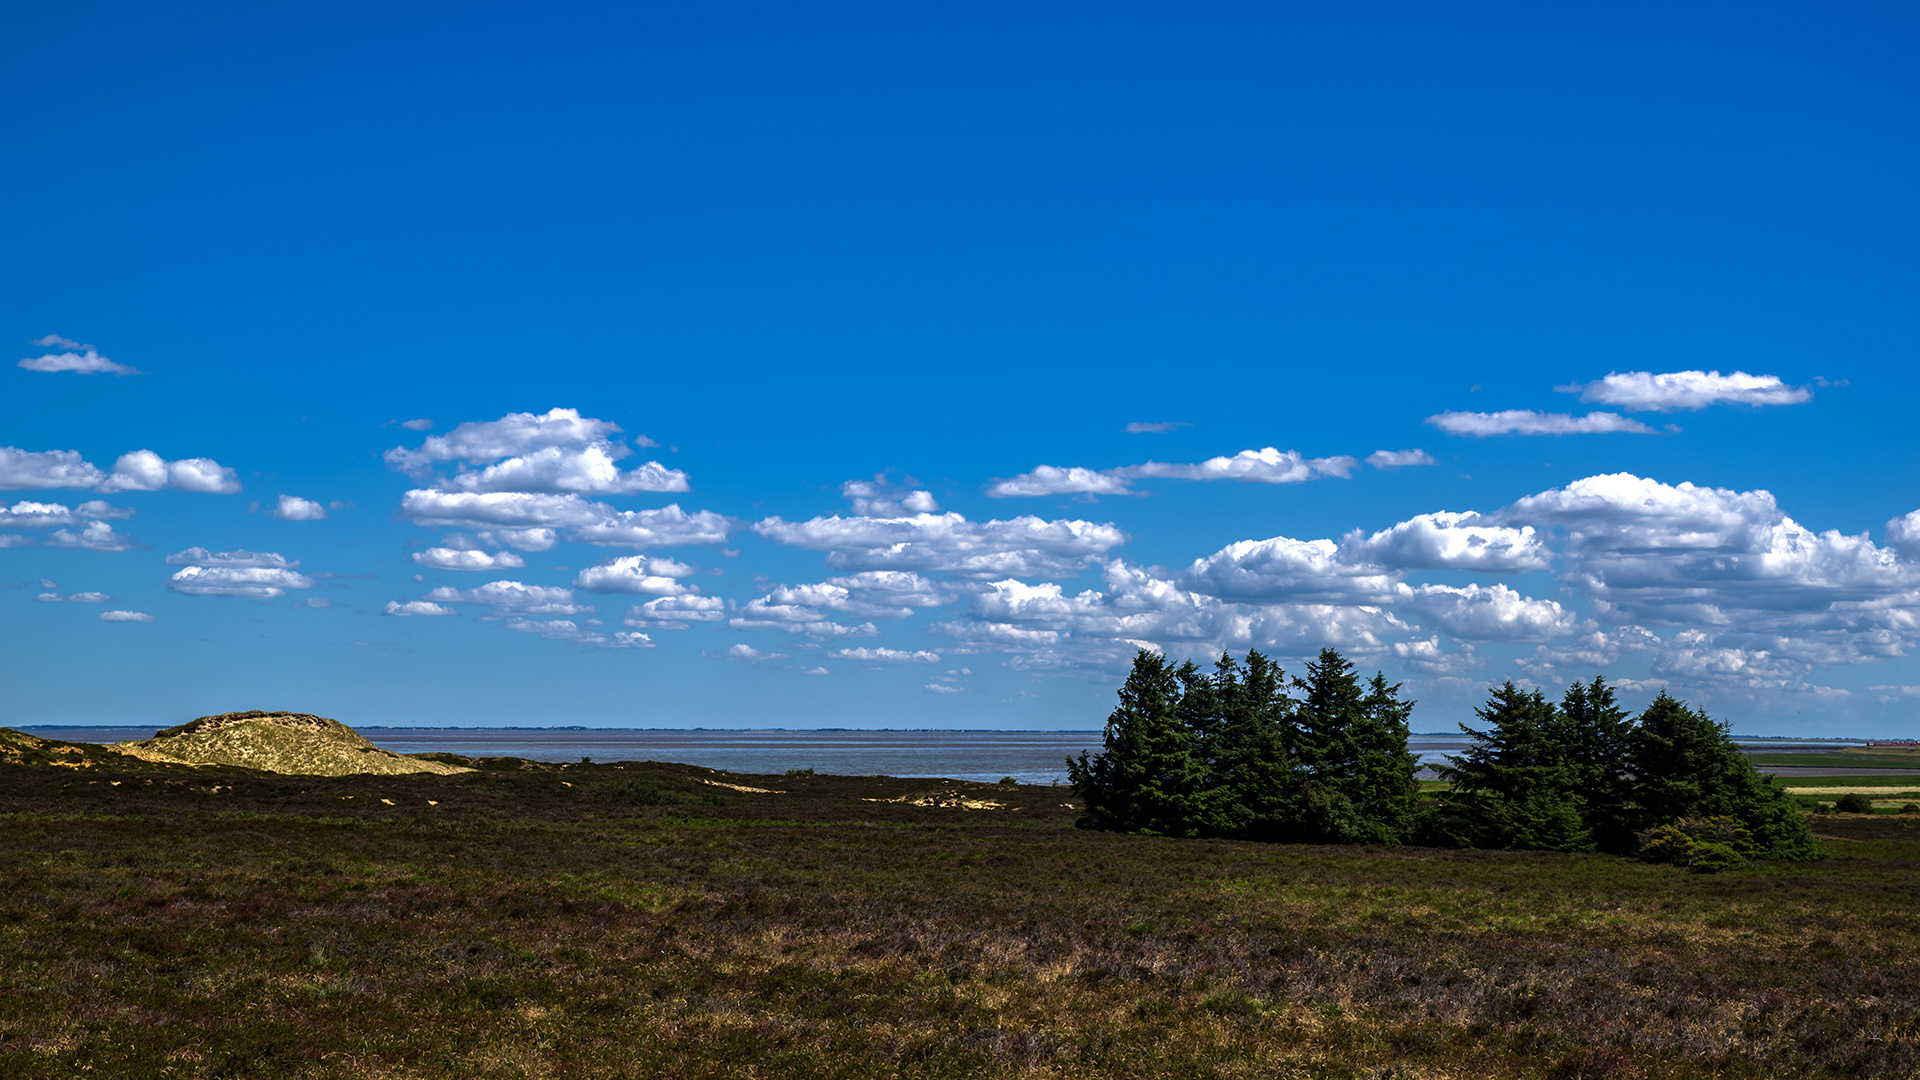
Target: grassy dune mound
[{"x": 281, "y": 742}]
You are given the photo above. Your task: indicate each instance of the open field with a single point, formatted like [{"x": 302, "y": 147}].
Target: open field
[
  {"x": 643, "y": 920},
  {"x": 1839, "y": 759}
]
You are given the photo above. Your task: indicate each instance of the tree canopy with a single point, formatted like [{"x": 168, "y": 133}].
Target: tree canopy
[{"x": 1230, "y": 753}]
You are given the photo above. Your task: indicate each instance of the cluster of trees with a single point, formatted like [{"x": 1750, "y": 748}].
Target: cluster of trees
[{"x": 1232, "y": 753}]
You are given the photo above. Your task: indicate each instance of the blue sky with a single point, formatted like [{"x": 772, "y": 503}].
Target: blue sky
[{"x": 855, "y": 364}]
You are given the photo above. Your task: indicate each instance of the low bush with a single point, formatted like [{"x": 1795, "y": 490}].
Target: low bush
[
  {"x": 1702, "y": 845},
  {"x": 1854, "y": 803}
]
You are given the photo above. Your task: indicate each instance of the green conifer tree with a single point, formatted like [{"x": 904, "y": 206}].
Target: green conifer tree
[
  {"x": 1517, "y": 785},
  {"x": 1600, "y": 729},
  {"x": 1148, "y": 778},
  {"x": 1385, "y": 793},
  {"x": 1687, "y": 766},
  {"x": 1253, "y": 787},
  {"x": 1345, "y": 744}
]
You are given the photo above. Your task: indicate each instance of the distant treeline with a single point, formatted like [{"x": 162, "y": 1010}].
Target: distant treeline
[{"x": 1233, "y": 753}]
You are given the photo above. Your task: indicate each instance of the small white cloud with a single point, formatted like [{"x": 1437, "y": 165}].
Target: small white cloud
[
  {"x": 253, "y": 583},
  {"x": 313, "y": 602},
  {"x": 1399, "y": 459},
  {"x": 943, "y": 688},
  {"x": 144, "y": 470},
  {"x": 77, "y": 358},
  {"x": 749, "y": 653},
  {"x": 515, "y": 597},
  {"x": 76, "y": 598},
  {"x": 1053, "y": 480},
  {"x": 239, "y": 558},
  {"x": 125, "y": 616},
  {"x": 1265, "y": 466},
  {"x": 1643, "y": 391},
  {"x": 636, "y": 574},
  {"x": 882, "y": 655},
  {"x": 1480, "y": 425},
  {"x": 881, "y": 499},
  {"x": 39, "y": 515},
  {"x": 439, "y": 558},
  {"x": 33, "y": 470},
  {"x": 96, "y": 536},
  {"x": 1139, "y": 427},
  {"x": 295, "y": 508},
  {"x": 422, "y": 424},
  {"x": 816, "y": 671},
  {"x": 412, "y": 608},
  {"x": 675, "y": 612}
]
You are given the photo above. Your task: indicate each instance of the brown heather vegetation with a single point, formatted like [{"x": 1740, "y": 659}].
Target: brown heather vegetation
[{"x": 634, "y": 920}]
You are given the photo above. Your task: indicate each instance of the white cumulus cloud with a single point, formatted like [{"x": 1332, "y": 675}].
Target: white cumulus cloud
[
  {"x": 75, "y": 357},
  {"x": 239, "y": 558},
  {"x": 1053, "y": 480},
  {"x": 1528, "y": 422},
  {"x": 440, "y": 558},
  {"x": 1022, "y": 546},
  {"x": 144, "y": 470},
  {"x": 295, "y": 508},
  {"x": 126, "y": 616},
  {"x": 256, "y": 583},
  {"x": 646, "y": 574},
  {"x": 514, "y": 597},
  {"x": 1448, "y": 541},
  {"x": 1266, "y": 466},
  {"x": 550, "y": 453},
  {"x": 34, "y": 470},
  {"x": 1644, "y": 391},
  {"x": 1399, "y": 459},
  {"x": 94, "y": 536},
  {"x": 414, "y": 608},
  {"x": 881, "y": 655},
  {"x": 1496, "y": 613},
  {"x": 675, "y": 612}
]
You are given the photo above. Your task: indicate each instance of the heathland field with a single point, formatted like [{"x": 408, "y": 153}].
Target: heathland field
[{"x": 666, "y": 921}]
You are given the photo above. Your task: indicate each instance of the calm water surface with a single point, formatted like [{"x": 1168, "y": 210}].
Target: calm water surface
[{"x": 1032, "y": 757}]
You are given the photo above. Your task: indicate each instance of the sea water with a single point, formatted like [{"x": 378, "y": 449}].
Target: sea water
[{"x": 1031, "y": 757}]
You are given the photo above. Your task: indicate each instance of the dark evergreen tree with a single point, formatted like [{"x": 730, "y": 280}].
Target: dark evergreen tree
[
  {"x": 1685, "y": 766},
  {"x": 1351, "y": 744},
  {"x": 1518, "y": 784},
  {"x": 1385, "y": 792},
  {"x": 1148, "y": 778},
  {"x": 1599, "y": 729},
  {"x": 1253, "y": 784}
]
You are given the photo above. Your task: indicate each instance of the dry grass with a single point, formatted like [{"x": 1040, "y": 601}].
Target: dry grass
[{"x": 633, "y": 920}]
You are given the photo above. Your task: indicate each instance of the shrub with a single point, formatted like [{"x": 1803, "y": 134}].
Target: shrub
[
  {"x": 639, "y": 793},
  {"x": 1702, "y": 845},
  {"x": 1910, "y": 808},
  {"x": 1710, "y": 857},
  {"x": 1854, "y": 803},
  {"x": 1008, "y": 781},
  {"x": 799, "y": 772}
]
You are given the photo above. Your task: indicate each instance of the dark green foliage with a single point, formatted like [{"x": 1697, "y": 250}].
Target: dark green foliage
[
  {"x": 1910, "y": 808},
  {"x": 1854, "y": 803},
  {"x": 1254, "y": 790},
  {"x": 1149, "y": 778},
  {"x": 1229, "y": 754},
  {"x": 1600, "y": 730},
  {"x": 1685, "y": 765},
  {"x": 1520, "y": 784}
]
